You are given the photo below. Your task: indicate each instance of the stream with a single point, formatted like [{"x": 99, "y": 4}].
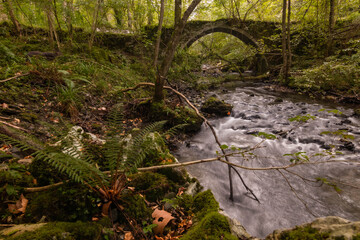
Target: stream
[{"x": 255, "y": 110}]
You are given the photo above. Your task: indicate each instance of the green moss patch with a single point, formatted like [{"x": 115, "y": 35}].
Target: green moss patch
[
  {"x": 213, "y": 226},
  {"x": 60, "y": 230},
  {"x": 303, "y": 233},
  {"x": 204, "y": 203}
]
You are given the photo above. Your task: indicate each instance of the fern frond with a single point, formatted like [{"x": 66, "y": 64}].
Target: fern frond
[
  {"x": 23, "y": 145},
  {"x": 137, "y": 151},
  {"x": 174, "y": 130},
  {"x": 115, "y": 120},
  {"x": 76, "y": 168}
]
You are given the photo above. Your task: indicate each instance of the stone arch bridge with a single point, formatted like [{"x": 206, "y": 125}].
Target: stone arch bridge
[{"x": 253, "y": 33}]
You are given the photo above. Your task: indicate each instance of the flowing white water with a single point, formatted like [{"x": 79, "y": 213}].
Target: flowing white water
[{"x": 255, "y": 111}]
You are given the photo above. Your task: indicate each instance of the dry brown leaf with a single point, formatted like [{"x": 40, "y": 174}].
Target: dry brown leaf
[
  {"x": 19, "y": 206},
  {"x": 129, "y": 236},
  {"x": 5, "y": 106},
  {"x": 162, "y": 218}
]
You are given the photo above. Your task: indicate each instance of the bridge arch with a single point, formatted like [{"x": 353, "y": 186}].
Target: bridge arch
[{"x": 242, "y": 35}]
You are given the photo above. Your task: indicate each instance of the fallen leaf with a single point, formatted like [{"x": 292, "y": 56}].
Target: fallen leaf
[
  {"x": 19, "y": 206},
  {"x": 129, "y": 236},
  {"x": 5, "y": 106},
  {"x": 162, "y": 218}
]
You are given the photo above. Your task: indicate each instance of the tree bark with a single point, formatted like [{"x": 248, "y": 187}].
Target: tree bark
[
  {"x": 284, "y": 42},
  {"x": 170, "y": 52},
  {"x": 95, "y": 23},
  {"x": 178, "y": 8},
  {"x": 289, "y": 59},
  {"x": 158, "y": 33},
  {"x": 150, "y": 18},
  {"x": 69, "y": 9},
  {"x": 52, "y": 30},
  {"x": 333, "y": 4},
  {"x": 56, "y": 16},
  {"x": 10, "y": 11}
]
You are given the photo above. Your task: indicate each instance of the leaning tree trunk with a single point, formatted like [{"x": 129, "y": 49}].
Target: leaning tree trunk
[
  {"x": 170, "y": 52},
  {"x": 10, "y": 11},
  {"x": 158, "y": 33},
  {"x": 150, "y": 18},
  {"x": 177, "y": 19},
  {"x": 69, "y": 9}
]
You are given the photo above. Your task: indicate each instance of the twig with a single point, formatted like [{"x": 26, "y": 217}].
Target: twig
[
  {"x": 7, "y": 225},
  {"x": 14, "y": 77},
  {"x": 295, "y": 193},
  {"x": 44, "y": 188},
  {"x": 13, "y": 126}
]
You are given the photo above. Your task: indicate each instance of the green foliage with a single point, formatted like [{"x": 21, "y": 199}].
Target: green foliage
[
  {"x": 302, "y": 118},
  {"x": 213, "y": 226},
  {"x": 303, "y": 233},
  {"x": 265, "y": 135},
  {"x": 340, "y": 74},
  {"x": 327, "y": 182},
  {"x": 341, "y": 133},
  {"x": 298, "y": 157}
]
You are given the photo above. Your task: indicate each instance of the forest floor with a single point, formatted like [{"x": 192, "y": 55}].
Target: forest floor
[{"x": 45, "y": 98}]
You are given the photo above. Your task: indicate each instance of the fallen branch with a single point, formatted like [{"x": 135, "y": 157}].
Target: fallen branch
[
  {"x": 14, "y": 77},
  {"x": 44, "y": 188},
  {"x": 13, "y": 126}
]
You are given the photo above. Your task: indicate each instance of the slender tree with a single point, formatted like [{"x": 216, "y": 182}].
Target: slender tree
[
  {"x": 52, "y": 30},
  {"x": 158, "y": 33},
  {"x": 286, "y": 48},
  {"x": 332, "y": 21},
  {"x": 94, "y": 24},
  {"x": 10, "y": 12}
]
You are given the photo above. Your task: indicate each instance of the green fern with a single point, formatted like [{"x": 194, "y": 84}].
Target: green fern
[
  {"x": 174, "y": 130},
  {"x": 137, "y": 151}
]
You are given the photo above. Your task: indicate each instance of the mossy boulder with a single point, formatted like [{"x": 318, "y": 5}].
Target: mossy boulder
[
  {"x": 217, "y": 107},
  {"x": 152, "y": 185},
  {"x": 322, "y": 228},
  {"x": 213, "y": 226},
  {"x": 53, "y": 230},
  {"x": 174, "y": 115},
  {"x": 357, "y": 112},
  {"x": 135, "y": 207},
  {"x": 70, "y": 202},
  {"x": 204, "y": 203}
]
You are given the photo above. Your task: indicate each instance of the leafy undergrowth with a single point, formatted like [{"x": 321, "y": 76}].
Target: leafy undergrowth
[{"x": 339, "y": 75}]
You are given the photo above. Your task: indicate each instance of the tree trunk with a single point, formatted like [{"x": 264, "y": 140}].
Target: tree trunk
[
  {"x": 332, "y": 20},
  {"x": 177, "y": 19},
  {"x": 170, "y": 52},
  {"x": 69, "y": 9},
  {"x": 95, "y": 23},
  {"x": 158, "y": 37},
  {"x": 130, "y": 20},
  {"x": 150, "y": 18},
  {"x": 9, "y": 9},
  {"x": 56, "y": 16},
  {"x": 289, "y": 59},
  {"x": 52, "y": 30},
  {"x": 284, "y": 42}
]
